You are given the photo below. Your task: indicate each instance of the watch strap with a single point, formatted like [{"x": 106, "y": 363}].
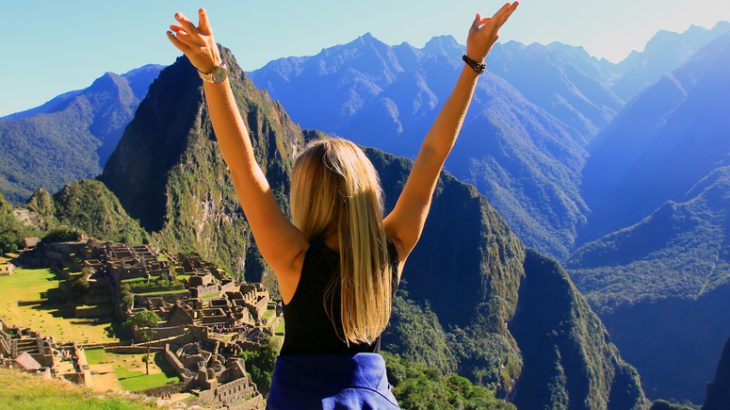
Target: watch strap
[
  {"x": 477, "y": 66},
  {"x": 210, "y": 77}
]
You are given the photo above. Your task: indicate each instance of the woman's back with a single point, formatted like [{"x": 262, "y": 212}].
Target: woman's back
[{"x": 308, "y": 329}]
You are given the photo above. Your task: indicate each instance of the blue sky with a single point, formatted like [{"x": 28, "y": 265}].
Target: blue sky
[{"x": 56, "y": 46}]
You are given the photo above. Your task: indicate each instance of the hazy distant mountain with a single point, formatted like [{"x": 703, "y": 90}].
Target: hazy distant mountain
[
  {"x": 523, "y": 159},
  {"x": 71, "y": 136},
  {"x": 661, "y": 144},
  {"x": 497, "y": 311},
  {"x": 662, "y": 287},
  {"x": 665, "y": 52},
  {"x": 563, "y": 80}
]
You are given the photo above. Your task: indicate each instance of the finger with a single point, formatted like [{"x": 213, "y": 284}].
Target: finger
[
  {"x": 176, "y": 42},
  {"x": 507, "y": 14},
  {"x": 186, "y": 39},
  {"x": 501, "y": 12},
  {"x": 204, "y": 23},
  {"x": 485, "y": 21},
  {"x": 190, "y": 28},
  {"x": 477, "y": 19}
]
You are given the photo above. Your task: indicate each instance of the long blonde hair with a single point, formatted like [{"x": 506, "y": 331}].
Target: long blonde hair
[{"x": 335, "y": 188}]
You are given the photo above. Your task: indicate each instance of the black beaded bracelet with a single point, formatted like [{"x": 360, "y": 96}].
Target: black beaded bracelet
[{"x": 478, "y": 67}]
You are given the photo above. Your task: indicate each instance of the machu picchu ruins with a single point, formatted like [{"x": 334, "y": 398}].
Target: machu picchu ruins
[{"x": 207, "y": 318}]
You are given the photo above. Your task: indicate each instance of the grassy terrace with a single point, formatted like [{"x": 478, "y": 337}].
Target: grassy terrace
[
  {"x": 129, "y": 369},
  {"x": 163, "y": 292},
  {"x": 32, "y": 287},
  {"x": 134, "y": 280},
  {"x": 22, "y": 391}
]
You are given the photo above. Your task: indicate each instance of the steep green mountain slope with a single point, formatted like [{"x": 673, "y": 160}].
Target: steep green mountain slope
[
  {"x": 168, "y": 172},
  {"x": 662, "y": 286},
  {"x": 70, "y": 137},
  {"x": 464, "y": 284}
]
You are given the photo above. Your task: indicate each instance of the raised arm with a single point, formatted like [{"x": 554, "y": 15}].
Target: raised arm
[
  {"x": 278, "y": 240},
  {"x": 405, "y": 222}
]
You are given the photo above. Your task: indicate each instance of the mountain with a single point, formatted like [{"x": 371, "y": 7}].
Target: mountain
[
  {"x": 90, "y": 206},
  {"x": 71, "y": 136},
  {"x": 539, "y": 347},
  {"x": 168, "y": 173},
  {"x": 665, "y": 52},
  {"x": 661, "y": 144},
  {"x": 524, "y": 160},
  {"x": 718, "y": 392},
  {"x": 662, "y": 286},
  {"x": 565, "y": 81}
]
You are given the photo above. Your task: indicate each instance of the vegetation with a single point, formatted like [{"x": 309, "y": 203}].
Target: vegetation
[
  {"x": 142, "y": 321},
  {"x": 62, "y": 234},
  {"x": 156, "y": 285},
  {"x": 665, "y": 405},
  {"x": 11, "y": 230},
  {"x": 420, "y": 387},
  {"x": 92, "y": 207},
  {"x": 670, "y": 271},
  {"x": 415, "y": 333},
  {"x": 22, "y": 391},
  {"x": 260, "y": 365},
  {"x": 127, "y": 296}
]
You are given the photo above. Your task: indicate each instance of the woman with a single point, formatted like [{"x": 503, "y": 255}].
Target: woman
[{"x": 338, "y": 261}]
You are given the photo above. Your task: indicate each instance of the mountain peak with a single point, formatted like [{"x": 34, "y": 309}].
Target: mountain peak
[
  {"x": 108, "y": 80},
  {"x": 369, "y": 39},
  {"x": 445, "y": 44}
]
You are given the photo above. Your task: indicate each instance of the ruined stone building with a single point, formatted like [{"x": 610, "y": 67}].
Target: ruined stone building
[
  {"x": 27, "y": 350},
  {"x": 213, "y": 371}
]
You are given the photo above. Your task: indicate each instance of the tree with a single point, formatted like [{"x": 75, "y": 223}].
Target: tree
[
  {"x": 260, "y": 364},
  {"x": 126, "y": 296},
  {"x": 143, "y": 321},
  {"x": 62, "y": 234}
]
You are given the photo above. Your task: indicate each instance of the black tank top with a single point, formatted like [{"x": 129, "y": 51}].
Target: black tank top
[{"x": 307, "y": 328}]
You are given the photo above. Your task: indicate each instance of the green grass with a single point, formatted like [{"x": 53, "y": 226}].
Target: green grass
[
  {"x": 133, "y": 280},
  {"x": 47, "y": 317},
  {"x": 136, "y": 381},
  {"x": 163, "y": 292},
  {"x": 130, "y": 369},
  {"x": 22, "y": 391},
  {"x": 211, "y": 296},
  {"x": 95, "y": 356}
]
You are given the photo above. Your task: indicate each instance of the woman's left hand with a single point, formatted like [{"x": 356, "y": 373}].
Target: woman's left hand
[
  {"x": 196, "y": 43},
  {"x": 484, "y": 32}
]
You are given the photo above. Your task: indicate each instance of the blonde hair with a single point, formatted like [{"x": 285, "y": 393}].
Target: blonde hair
[{"x": 335, "y": 188}]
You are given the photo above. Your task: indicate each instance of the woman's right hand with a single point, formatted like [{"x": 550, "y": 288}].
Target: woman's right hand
[
  {"x": 196, "y": 43},
  {"x": 484, "y": 32}
]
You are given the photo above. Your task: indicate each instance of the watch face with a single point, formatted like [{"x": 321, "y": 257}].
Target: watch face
[{"x": 219, "y": 74}]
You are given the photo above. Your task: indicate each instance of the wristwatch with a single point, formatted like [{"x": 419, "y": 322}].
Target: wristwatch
[{"x": 218, "y": 75}]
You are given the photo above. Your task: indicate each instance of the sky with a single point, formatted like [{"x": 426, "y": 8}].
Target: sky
[{"x": 51, "y": 47}]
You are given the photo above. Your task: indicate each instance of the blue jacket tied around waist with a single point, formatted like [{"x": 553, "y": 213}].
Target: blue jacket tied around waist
[{"x": 331, "y": 381}]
